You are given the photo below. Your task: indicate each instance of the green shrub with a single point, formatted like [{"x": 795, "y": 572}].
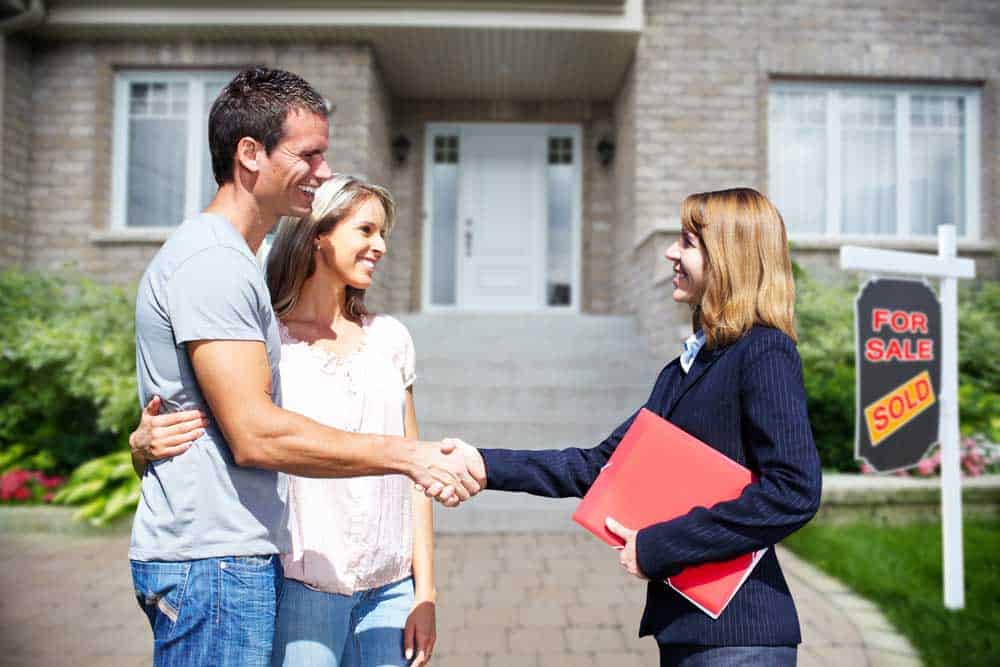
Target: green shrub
[
  {"x": 825, "y": 321},
  {"x": 979, "y": 358},
  {"x": 825, "y": 324},
  {"x": 67, "y": 370},
  {"x": 106, "y": 488}
]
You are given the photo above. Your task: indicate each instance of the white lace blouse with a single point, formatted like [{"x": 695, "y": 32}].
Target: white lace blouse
[{"x": 350, "y": 534}]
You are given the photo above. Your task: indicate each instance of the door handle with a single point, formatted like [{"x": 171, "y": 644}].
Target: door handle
[{"x": 468, "y": 237}]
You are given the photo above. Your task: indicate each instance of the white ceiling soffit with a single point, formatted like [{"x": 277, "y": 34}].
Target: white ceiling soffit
[{"x": 517, "y": 50}]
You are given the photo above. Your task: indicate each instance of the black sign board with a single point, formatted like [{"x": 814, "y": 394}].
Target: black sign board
[{"x": 898, "y": 324}]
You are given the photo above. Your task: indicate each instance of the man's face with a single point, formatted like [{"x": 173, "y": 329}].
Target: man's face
[{"x": 290, "y": 175}]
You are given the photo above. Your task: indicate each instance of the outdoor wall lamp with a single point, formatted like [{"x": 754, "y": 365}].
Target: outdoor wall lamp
[
  {"x": 400, "y": 148},
  {"x": 605, "y": 151}
]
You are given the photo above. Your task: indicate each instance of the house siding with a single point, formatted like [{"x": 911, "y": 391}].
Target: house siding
[
  {"x": 15, "y": 133},
  {"x": 390, "y": 289}
]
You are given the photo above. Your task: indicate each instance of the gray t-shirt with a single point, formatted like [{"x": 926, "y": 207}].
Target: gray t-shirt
[{"x": 204, "y": 284}]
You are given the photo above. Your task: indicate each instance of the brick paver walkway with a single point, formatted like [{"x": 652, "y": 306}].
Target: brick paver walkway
[{"x": 532, "y": 600}]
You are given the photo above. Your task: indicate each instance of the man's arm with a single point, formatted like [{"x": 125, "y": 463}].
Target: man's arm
[{"x": 235, "y": 379}]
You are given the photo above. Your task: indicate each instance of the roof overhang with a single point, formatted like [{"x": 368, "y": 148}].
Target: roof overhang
[{"x": 474, "y": 49}]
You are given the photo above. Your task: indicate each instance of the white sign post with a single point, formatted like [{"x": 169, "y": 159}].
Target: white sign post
[{"x": 949, "y": 268}]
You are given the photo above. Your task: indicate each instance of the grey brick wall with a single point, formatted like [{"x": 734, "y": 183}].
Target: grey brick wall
[
  {"x": 624, "y": 273},
  {"x": 71, "y": 134},
  {"x": 699, "y": 98},
  {"x": 390, "y": 292},
  {"x": 410, "y": 118},
  {"x": 15, "y": 124}
]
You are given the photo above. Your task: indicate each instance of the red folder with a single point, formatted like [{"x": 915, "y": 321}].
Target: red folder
[{"x": 659, "y": 472}]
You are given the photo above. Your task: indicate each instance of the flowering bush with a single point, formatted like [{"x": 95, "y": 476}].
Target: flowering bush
[
  {"x": 28, "y": 486},
  {"x": 978, "y": 457}
]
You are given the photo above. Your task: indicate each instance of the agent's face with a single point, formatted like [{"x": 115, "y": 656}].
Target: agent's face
[
  {"x": 290, "y": 175},
  {"x": 689, "y": 269},
  {"x": 349, "y": 252}
]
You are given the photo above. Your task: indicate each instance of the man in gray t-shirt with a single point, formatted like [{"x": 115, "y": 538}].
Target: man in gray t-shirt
[
  {"x": 211, "y": 519},
  {"x": 204, "y": 284}
]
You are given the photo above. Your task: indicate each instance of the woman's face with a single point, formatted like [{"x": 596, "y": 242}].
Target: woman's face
[
  {"x": 689, "y": 268},
  {"x": 349, "y": 252}
]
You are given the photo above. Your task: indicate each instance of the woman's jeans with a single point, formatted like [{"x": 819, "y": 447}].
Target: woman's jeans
[
  {"x": 211, "y": 611},
  {"x": 317, "y": 629},
  {"x": 686, "y": 655}
]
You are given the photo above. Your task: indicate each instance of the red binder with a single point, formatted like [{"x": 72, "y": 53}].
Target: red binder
[{"x": 659, "y": 472}]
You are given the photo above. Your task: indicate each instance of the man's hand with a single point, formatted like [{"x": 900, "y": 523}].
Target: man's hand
[
  {"x": 444, "y": 472},
  {"x": 474, "y": 463},
  {"x": 163, "y": 436},
  {"x": 627, "y": 557}
]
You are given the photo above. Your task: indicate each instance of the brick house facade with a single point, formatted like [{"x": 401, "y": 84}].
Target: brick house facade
[{"x": 682, "y": 89}]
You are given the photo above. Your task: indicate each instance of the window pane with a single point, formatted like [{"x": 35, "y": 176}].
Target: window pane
[
  {"x": 444, "y": 214},
  {"x": 937, "y": 127},
  {"x": 868, "y": 164},
  {"x": 157, "y": 161},
  {"x": 797, "y": 159},
  {"x": 559, "y": 265}
]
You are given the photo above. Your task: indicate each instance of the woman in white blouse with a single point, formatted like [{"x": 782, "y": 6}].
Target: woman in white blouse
[
  {"x": 359, "y": 584},
  {"x": 359, "y": 581}
]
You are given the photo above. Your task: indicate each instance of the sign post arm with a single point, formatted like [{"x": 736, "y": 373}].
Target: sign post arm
[{"x": 948, "y": 434}]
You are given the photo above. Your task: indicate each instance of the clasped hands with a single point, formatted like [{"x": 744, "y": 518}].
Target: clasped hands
[{"x": 453, "y": 474}]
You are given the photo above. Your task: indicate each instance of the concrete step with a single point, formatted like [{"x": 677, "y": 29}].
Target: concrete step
[
  {"x": 638, "y": 371},
  {"x": 567, "y": 351},
  {"x": 474, "y": 402},
  {"x": 522, "y": 434},
  {"x": 525, "y": 382},
  {"x": 448, "y": 327}
]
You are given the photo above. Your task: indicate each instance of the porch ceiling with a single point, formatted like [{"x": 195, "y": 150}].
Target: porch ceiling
[{"x": 514, "y": 50}]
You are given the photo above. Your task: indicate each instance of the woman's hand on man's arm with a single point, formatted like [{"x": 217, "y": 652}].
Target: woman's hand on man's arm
[{"x": 163, "y": 436}]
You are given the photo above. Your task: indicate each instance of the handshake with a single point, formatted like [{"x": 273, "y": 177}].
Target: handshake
[{"x": 450, "y": 471}]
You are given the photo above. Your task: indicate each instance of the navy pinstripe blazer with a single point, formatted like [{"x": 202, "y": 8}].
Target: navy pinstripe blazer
[{"x": 748, "y": 401}]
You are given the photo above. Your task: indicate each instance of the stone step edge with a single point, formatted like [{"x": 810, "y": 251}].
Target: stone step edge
[{"x": 58, "y": 519}]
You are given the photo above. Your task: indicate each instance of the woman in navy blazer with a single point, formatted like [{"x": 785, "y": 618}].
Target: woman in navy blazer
[{"x": 739, "y": 388}]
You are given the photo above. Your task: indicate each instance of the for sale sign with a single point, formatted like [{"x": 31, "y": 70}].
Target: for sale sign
[{"x": 898, "y": 372}]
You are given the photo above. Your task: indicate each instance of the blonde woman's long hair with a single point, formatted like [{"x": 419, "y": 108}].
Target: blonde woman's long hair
[
  {"x": 748, "y": 269},
  {"x": 292, "y": 257}
]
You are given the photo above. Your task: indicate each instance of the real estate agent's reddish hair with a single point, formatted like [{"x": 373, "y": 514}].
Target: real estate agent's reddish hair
[{"x": 748, "y": 270}]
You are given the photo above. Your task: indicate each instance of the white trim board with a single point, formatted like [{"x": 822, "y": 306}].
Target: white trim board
[{"x": 630, "y": 19}]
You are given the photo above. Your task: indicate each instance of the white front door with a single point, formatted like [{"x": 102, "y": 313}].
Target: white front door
[
  {"x": 501, "y": 211},
  {"x": 503, "y": 214}
]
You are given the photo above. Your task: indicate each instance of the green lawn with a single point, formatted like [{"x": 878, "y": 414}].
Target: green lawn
[{"x": 899, "y": 568}]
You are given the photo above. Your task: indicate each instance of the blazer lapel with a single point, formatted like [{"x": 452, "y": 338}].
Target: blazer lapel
[
  {"x": 701, "y": 364},
  {"x": 671, "y": 387}
]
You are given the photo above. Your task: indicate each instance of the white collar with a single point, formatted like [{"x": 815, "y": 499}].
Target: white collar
[{"x": 692, "y": 345}]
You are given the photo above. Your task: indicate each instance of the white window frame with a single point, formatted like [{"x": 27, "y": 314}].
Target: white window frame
[
  {"x": 197, "y": 139},
  {"x": 971, "y": 150}
]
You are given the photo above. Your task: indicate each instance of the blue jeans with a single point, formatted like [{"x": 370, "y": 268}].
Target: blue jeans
[
  {"x": 211, "y": 611},
  {"x": 687, "y": 655},
  {"x": 317, "y": 629}
]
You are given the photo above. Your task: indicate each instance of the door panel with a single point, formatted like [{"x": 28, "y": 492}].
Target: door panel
[{"x": 501, "y": 239}]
